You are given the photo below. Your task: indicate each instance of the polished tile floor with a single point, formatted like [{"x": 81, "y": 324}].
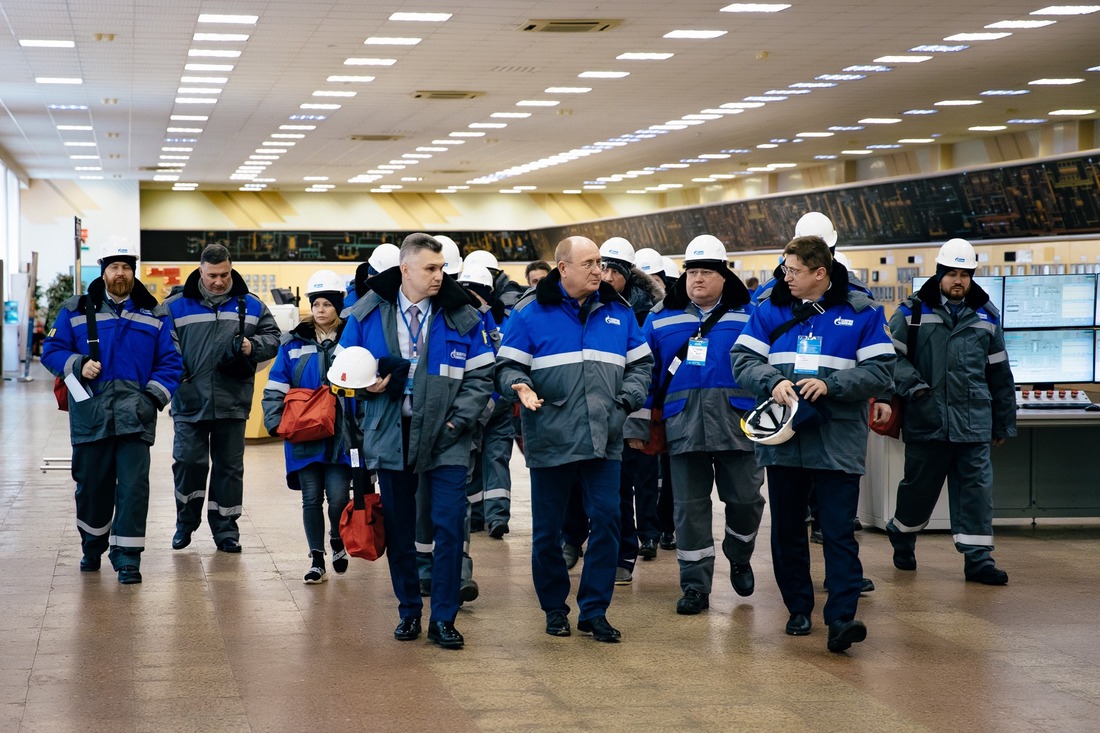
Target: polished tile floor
[{"x": 216, "y": 642}]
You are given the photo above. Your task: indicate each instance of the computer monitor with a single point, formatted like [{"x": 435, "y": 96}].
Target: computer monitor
[
  {"x": 1049, "y": 301},
  {"x": 993, "y": 286},
  {"x": 282, "y": 296},
  {"x": 1052, "y": 356}
]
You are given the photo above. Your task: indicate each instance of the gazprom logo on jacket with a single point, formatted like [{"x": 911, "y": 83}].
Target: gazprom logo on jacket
[
  {"x": 458, "y": 355},
  {"x": 612, "y": 321},
  {"x": 841, "y": 321}
]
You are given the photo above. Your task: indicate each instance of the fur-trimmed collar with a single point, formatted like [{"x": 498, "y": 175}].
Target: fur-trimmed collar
[
  {"x": 549, "y": 291},
  {"x": 930, "y": 293},
  {"x": 451, "y": 296},
  {"x": 307, "y": 330},
  {"x": 97, "y": 291},
  {"x": 837, "y": 294},
  {"x": 734, "y": 293},
  {"x": 648, "y": 284},
  {"x": 191, "y": 287}
]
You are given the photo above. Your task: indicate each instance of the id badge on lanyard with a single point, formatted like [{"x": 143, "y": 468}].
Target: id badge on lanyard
[
  {"x": 412, "y": 374},
  {"x": 697, "y": 351},
  {"x": 807, "y": 357}
]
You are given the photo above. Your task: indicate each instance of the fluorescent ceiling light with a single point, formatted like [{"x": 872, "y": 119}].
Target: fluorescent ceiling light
[
  {"x": 755, "y": 8},
  {"x": 307, "y": 117},
  {"x": 221, "y": 37},
  {"x": 694, "y": 34},
  {"x": 176, "y": 150},
  {"x": 287, "y": 135},
  {"x": 212, "y": 53},
  {"x": 644, "y": 56},
  {"x": 902, "y": 59},
  {"x": 840, "y": 77},
  {"x": 175, "y": 157},
  {"x": 880, "y": 120},
  {"x": 342, "y": 78},
  {"x": 1071, "y": 112},
  {"x": 1025, "y": 121},
  {"x": 880, "y": 146},
  {"x": 74, "y": 128},
  {"x": 31, "y": 43},
  {"x": 511, "y": 115},
  {"x": 208, "y": 67},
  {"x": 825, "y": 157},
  {"x": 58, "y": 80},
  {"x": 1004, "y": 92},
  {"x": 369, "y": 62},
  {"x": 318, "y": 106},
  {"x": 448, "y": 142},
  {"x": 67, "y": 106},
  {"x": 846, "y": 128},
  {"x": 537, "y": 103},
  {"x": 815, "y": 134},
  {"x": 767, "y": 146},
  {"x": 765, "y": 98},
  {"x": 916, "y": 140},
  {"x": 812, "y": 85},
  {"x": 280, "y": 143},
  {"x": 937, "y": 48},
  {"x": 329, "y": 93},
  {"x": 204, "y": 79},
  {"x": 297, "y": 127},
  {"x": 977, "y": 36},
  {"x": 315, "y": 178},
  {"x": 674, "y": 165},
  {"x": 603, "y": 74},
  {"x": 957, "y": 102},
  {"x": 198, "y": 90},
  {"x": 703, "y": 180},
  {"x": 987, "y": 128},
  {"x": 421, "y": 17},
  {"x": 189, "y": 118},
  {"x": 714, "y": 156},
  {"x": 389, "y": 41},
  {"x": 1054, "y": 82},
  {"x": 920, "y": 112},
  {"x": 567, "y": 90},
  {"x": 1066, "y": 10},
  {"x": 856, "y": 152},
  {"x": 431, "y": 149},
  {"x": 868, "y": 67},
  {"x": 233, "y": 19},
  {"x": 196, "y": 100},
  {"x": 1021, "y": 24}
]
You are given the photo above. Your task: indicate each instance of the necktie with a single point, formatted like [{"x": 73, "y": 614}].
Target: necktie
[{"x": 416, "y": 332}]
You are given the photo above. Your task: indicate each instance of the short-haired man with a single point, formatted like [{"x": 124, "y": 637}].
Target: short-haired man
[
  {"x": 536, "y": 271},
  {"x": 951, "y": 348},
  {"x": 126, "y": 378},
  {"x": 817, "y": 344},
  {"x": 211, "y": 318},
  {"x": 574, "y": 354},
  {"x": 423, "y": 430}
]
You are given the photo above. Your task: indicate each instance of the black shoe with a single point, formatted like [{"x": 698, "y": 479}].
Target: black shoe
[
  {"x": 557, "y": 623},
  {"x": 229, "y": 544},
  {"x": 408, "y": 629},
  {"x": 865, "y": 586},
  {"x": 181, "y": 539},
  {"x": 477, "y": 526},
  {"x": 89, "y": 563},
  {"x": 744, "y": 582},
  {"x": 648, "y": 550},
  {"x": 129, "y": 575},
  {"x": 667, "y": 541},
  {"x": 693, "y": 602},
  {"x": 497, "y": 530},
  {"x": 467, "y": 591},
  {"x": 989, "y": 575},
  {"x": 425, "y": 587},
  {"x": 571, "y": 555},
  {"x": 600, "y": 630},
  {"x": 842, "y": 634},
  {"x": 815, "y": 537},
  {"x": 857, "y": 526},
  {"x": 905, "y": 559},
  {"x": 798, "y": 625},
  {"x": 340, "y": 560},
  {"x": 445, "y": 634}
]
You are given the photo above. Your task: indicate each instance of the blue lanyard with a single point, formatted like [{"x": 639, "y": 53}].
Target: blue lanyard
[{"x": 415, "y": 337}]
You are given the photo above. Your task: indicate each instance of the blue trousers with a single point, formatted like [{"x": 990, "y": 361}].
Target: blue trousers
[
  {"x": 837, "y": 498},
  {"x": 448, "y": 490},
  {"x": 320, "y": 481},
  {"x": 599, "y": 489}
]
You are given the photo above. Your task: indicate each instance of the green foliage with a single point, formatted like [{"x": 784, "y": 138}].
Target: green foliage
[{"x": 60, "y": 290}]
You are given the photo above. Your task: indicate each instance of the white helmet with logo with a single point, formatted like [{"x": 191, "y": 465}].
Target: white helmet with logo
[
  {"x": 452, "y": 258},
  {"x": 483, "y": 257},
  {"x": 816, "y": 224},
  {"x": 117, "y": 248},
  {"x": 353, "y": 368},
  {"x": 705, "y": 247},
  {"x": 476, "y": 274},
  {"x": 649, "y": 261},
  {"x": 671, "y": 268},
  {"x": 957, "y": 254},
  {"x": 384, "y": 257},
  {"x": 843, "y": 259},
  {"x": 770, "y": 423},
  {"x": 617, "y": 248},
  {"x": 325, "y": 281}
]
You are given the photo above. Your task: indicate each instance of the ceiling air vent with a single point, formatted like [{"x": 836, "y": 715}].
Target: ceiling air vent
[
  {"x": 375, "y": 138},
  {"x": 569, "y": 25},
  {"x": 446, "y": 94}
]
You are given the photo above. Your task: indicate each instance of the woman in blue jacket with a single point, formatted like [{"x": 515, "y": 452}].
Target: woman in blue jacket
[{"x": 319, "y": 468}]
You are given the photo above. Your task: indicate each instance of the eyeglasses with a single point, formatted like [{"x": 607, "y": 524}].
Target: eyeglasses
[
  {"x": 795, "y": 271},
  {"x": 587, "y": 265}
]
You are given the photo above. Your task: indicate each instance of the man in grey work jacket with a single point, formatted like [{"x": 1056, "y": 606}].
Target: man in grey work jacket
[
  {"x": 210, "y": 408},
  {"x": 953, "y": 373},
  {"x": 574, "y": 354},
  {"x": 422, "y": 429}
]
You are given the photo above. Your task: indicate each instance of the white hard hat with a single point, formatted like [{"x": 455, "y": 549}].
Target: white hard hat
[
  {"x": 384, "y": 257},
  {"x": 816, "y": 224},
  {"x": 325, "y": 281},
  {"x": 117, "y": 248},
  {"x": 617, "y": 248},
  {"x": 843, "y": 259},
  {"x": 483, "y": 257},
  {"x": 770, "y": 423},
  {"x": 649, "y": 261},
  {"x": 957, "y": 254},
  {"x": 671, "y": 268},
  {"x": 353, "y": 368},
  {"x": 452, "y": 258},
  {"x": 705, "y": 247},
  {"x": 476, "y": 274}
]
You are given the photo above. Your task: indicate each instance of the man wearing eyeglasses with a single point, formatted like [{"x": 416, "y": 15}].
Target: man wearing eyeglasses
[
  {"x": 575, "y": 356},
  {"x": 818, "y": 344}
]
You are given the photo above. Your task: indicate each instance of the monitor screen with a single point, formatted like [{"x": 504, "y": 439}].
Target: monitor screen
[
  {"x": 1051, "y": 356},
  {"x": 1049, "y": 301},
  {"x": 282, "y": 296},
  {"x": 993, "y": 286}
]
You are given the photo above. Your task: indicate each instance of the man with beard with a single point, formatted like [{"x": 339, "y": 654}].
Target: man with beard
[{"x": 128, "y": 369}]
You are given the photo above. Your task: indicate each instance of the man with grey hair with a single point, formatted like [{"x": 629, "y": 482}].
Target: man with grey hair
[
  {"x": 223, "y": 333},
  {"x": 575, "y": 356},
  {"x": 418, "y": 420}
]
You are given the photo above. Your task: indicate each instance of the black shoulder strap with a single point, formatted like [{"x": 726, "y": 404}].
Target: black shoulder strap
[
  {"x": 299, "y": 369},
  {"x": 704, "y": 329},
  {"x": 911, "y": 336},
  {"x": 242, "y": 307},
  {"x": 805, "y": 314},
  {"x": 92, "y": 327}
]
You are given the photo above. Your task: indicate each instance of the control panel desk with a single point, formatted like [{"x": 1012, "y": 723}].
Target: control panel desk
[{"x": 1046, "y": 471}]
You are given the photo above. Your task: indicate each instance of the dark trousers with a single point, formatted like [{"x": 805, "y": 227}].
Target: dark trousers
[
  {"x": 575, "y": 529},
  {"x": 645, "y": 480},
  {"x": 321, "y": 481},
  {"x": 214, "y": 447},
  {"x": 665, "y": 520},
  {"x": 838, "y": 497},
  {"x": 448, "y": 491},
  {"x": 597, "y": 480},
  {"x": 112, "y": 497}
]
